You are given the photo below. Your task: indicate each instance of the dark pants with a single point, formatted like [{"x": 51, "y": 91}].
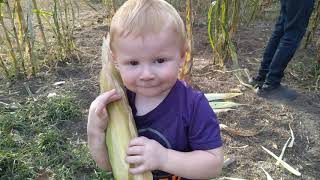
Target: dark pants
[{"x": 285, "y": 39}]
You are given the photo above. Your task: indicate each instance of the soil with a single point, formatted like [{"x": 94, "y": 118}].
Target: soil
[{"x": 271, "y": 117}]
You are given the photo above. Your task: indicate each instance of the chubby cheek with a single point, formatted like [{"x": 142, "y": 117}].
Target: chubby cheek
[
  {"x": 172, "y": 72},
  {"x": 128, "y": 80}
]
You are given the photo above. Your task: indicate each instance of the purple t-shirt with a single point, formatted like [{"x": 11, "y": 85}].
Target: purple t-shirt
[{"x": 183, "y": 121}]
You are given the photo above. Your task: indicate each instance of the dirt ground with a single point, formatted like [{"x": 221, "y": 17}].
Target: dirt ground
[{"x": 270, "y": 117}]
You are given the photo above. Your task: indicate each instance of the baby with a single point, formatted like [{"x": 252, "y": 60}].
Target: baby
[{"x": 179, "y": 135}]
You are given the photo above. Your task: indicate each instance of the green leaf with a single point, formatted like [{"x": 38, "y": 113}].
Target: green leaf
[{"x": 42, "y": 12}]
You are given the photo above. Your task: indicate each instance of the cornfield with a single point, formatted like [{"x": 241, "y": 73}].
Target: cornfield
[
  {"x": 313, "y": 24},
  {"x": 26, "y": 27},
  {"x": 224, "y": 18}
]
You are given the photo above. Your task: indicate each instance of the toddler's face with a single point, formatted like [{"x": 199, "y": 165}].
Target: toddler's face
[{"x": 149, "y": 65}]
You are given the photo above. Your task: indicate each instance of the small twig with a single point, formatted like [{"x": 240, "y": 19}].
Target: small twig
[
  {"x": 245, "y": 84},
  {"x": 251, "y": 52},
  {"x": 3, "y": 103},
  {"x": 283, "y": 150},
  {"x": 229, "y": 161},
  {"x": 241, "y": 147},
  {"x": 268, "y": 175},
  {"x": 292, "y": 137},
  {"x": 317, "y": 83}
]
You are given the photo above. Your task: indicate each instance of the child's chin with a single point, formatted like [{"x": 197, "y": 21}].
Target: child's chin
[
  {"x": 148, "y": 93},
  {"x": 152, "y": 92}
]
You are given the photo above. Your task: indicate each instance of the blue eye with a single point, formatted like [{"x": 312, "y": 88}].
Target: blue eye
[
  {"x": 133, "y": 63},
  {"x": 160, "y": 60}
]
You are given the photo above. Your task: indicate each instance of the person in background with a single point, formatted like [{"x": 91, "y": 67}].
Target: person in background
[{"x": 283, "y": 43}]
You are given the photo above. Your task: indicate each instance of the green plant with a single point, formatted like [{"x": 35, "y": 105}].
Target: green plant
[
  {"x": 223, "y": 20},
  {"x": 33, "y": 129},
  {"x": 23, "y": 55}
]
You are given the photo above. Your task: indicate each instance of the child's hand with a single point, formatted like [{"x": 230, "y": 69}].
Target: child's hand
[
  {"x": 97, "y": 124},
  {"x": 98, "y": 117},
  {"x": 146, "y": 155}
]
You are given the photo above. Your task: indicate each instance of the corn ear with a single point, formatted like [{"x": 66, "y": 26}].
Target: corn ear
[{"x": 121, "y": 127}]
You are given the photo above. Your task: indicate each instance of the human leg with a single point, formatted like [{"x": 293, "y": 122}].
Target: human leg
[
  {"x": 270, "y": 49},
  {"x": 296, "y": 21}
]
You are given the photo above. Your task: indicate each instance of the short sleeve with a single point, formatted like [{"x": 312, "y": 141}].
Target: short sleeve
[{"x": 204, "y": 131}]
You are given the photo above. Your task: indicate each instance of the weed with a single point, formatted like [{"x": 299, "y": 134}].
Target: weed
[{"x": 33, "y": 143}]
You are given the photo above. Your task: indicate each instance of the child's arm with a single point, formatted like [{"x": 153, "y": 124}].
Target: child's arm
[
  {"x": 196, "y": 164},
  {"x": 97, "y": 124},
  {"x": 150, "y": 155}
]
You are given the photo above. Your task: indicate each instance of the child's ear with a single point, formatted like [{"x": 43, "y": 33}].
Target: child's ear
[
  {"x": 114, "y": 60},
  {"x": 182, "y": 58}
]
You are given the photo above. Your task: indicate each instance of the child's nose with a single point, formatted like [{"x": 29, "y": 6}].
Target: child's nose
[{"x": 146, "y": 74}]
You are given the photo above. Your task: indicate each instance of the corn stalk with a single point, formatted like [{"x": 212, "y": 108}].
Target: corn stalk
[
  {"x": 251, "y": 8},
  {"x": 9, "y": 45},
  {"x": 318, "y": 51},
  {"x": 221, "y": 28},
  {"x": 62, "y": 27},
  {"x": 35, "y": 5},
  {"x": 4, "y": 67},
  {"x": 313, "y": 25},
  {"x": 29, "y": 35},
  {"x": 185, "y": 73},
  {"x": 21, "y": 23},
  {"x": 19, "y": 34},
  {"x": 15, "y": 33},
  {"x": 24, "y": 36}
]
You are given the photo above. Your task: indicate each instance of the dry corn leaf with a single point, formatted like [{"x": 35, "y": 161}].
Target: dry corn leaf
[
  {"x": 283, "y": 150},
  {"x": 239, "y": 147},
  {"x": 292, "y": 137},
  {"x": 268, "y": 175},
  {"x": 284, "y": 164},
  {"x": 230, "y": 178},
  {"x": 223, "y": 105},
  {"x": 219, "y": 96},
  {"x": 222, "y": 110}
]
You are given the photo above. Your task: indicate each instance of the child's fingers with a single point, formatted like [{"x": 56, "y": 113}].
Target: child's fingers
[
  {"x": 138, "y": 169},
  {"x": 135, "y": 150},
  {"x": 102, "y": 113},
  {"x": 104, "y": 99},
  {"x": 109, "y": 96},
  {"x": 139, "y": 141},
  {"x": 134, "y": 159}
]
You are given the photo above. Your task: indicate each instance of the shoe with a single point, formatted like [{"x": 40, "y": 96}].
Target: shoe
[
  {"x": 257, "y": 81},
  {"x": 277, "y": 92},
  {"x": 268, "y": 89}
]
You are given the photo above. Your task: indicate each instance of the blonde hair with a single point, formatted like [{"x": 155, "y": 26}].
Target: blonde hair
[{"x": 140, "y": 17}]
